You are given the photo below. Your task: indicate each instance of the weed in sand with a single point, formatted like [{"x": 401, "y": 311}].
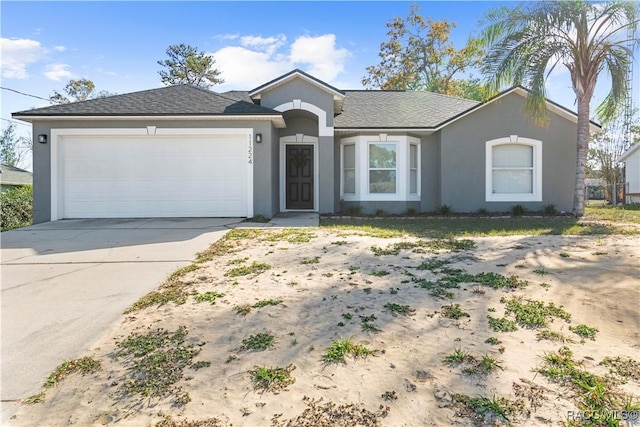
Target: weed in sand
[
  {"x": 173, "y": 289},
  {"x": 367, "y": 290},
  {"x": 314, "y": 260},
  {"x": 379, "y": 273},
  {"x": 231, "y": 358},
  {"x": 266, "y": 302},
  {"x": 35, "y": 398},
  {"x": 83, "y": 366},
  {"x": 481, "y": 406},
  {"x": 541, "y": 271},
  {"x": 347, "y": 316},
  {"x": 626, "y": 369},
  {"x": 498, "y": 281},
  {"x": 341, "y": 348},
  {"x": 369, "y": 327},
  {"x": 493, "y": 341},
  {"x": 549, "y": 335},
  {"x": 564, "y": 255},
  {"x": 209, "y": 296},
  {"x": 389, "y": 395},
  {"x": 291, "y": 235},
  {"x": 254, "y": 268},
  {"x": 200, "y": 364},
  {"x": 458, "y": 356},
  {"x": 238, "y": 261},
  {"x": 502, "y": 324},
  {"x": 257, "y": 342},
  {"x": 585, "y": 331},
  {"x": 339, "y": 242},
  {"x": 534, "y": 314},
  {"x": 396, "y": 309},
  {"x": 272, "y": 379},
  {"x": 453, "y": 311},
  {"x": 489, "y": 363},
  {"x": 433, "y": 265},
  {"x": 155, "y": 362},
  {"x": 243, "y": 309}
]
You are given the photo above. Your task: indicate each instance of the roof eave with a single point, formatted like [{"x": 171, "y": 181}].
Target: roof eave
[
  {"x": 277, "y": 119},
  {"x": 630, "y": 151}
]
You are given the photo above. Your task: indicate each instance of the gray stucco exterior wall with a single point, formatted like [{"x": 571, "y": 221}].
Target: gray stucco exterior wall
[
  {"x": 265, "y": 163},
  {"x": 430, "y": 173},
  {"x": 308, "y": 93},
  {"x": 463, "y": 158}
]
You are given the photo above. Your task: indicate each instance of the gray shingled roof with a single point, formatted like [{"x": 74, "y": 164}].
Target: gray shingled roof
[
  {"x": 11, "y": 175},
  {"x": 398, "y": 109},
  {"x": 240, "y": 95},
  {"x": 166, "y": 101}
]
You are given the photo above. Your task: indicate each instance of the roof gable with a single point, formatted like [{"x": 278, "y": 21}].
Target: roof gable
[
  {"x": 177, "y": 100},
  {"x": 296, "y": 74},
  {"x": 631, "y": 151}
]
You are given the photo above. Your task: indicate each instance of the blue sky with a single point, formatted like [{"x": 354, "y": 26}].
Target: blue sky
[{"x": 117, "y": 44}]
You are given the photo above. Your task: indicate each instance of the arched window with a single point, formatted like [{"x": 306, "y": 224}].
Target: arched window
[{"x": 514, "y": 170}]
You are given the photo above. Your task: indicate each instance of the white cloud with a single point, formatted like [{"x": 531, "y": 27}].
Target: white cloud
[
  {"x": 258, "y": 59},
  {"x": 227, "y": 36},
  {"x": 324, "y": 60},
  {"x": 17, "y": 54},
  {"x": 57, "y": 72},
  {"x": 60, "y": 48}
]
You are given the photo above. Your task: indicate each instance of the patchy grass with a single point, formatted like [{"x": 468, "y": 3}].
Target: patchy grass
[
  {"x": 314, "y": 260},
  {"x": 245, "y": 270},
  {"x": 624, "y": 368},
  {"x": 291, "y": 235},
  {"x": 498, "y": 281},
  {"x": 453, "y": 311},
  {"x": 480, "y": 227},
  {"x": 458, "y": 356},
  {"x": 330, "y": 413},
  {"x": 34, "y": 399},
  {"x": 82, "y": 366},
  {"x": 502, "y": 324},
  {"x": 549, "y": 335},
  {"x": 209, "y": 296},
  {"x": 258, "y": 342},
  {"x": 396, "y": 309},
  {"x": 534, "y": 314},
  {"x": 379, "y": 273},
  {"x": 479, "y": 407},
  {"x": 341, "y": 348},
  {"x": 267, "y": 302},
  {"x": 272, "y": 379},
  {"x": 493, "y": 341},
  {"x": 155, "y": 362},
  {"x": 243, "y": 309},
  {"x": 449, "y": 244},
  {"x": 627, "y": 213},
  {"x": 208, "y": 422},
  {"x": 584, "y": 331}
]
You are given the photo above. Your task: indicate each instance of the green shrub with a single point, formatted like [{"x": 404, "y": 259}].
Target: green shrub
[{"x": 16, "y": 208}]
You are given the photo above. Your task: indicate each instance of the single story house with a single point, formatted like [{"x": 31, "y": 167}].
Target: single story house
[
  {"x": 12, "y": 177},
  {"x": 631, "y": 160},
  {"x": 296, "y": 143}
]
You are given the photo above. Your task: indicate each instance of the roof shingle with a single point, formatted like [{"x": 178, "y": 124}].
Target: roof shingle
[
  {"x": 398, "y": 109},
  {"x": 165, "y": 101}
]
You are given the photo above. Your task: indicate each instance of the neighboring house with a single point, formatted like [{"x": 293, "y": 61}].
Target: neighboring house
[
  {"x": 296, "y": 144},
  {"x": 631, "y": 160},
  {"x": 12, "y": 177},
  {"x": 594, "y": 188}
]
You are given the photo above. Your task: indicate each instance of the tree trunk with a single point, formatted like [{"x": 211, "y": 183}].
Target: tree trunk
[{"x": 583, "y": 148}]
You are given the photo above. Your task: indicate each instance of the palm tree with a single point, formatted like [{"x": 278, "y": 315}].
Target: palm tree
[{"x": 526, "y": 43}]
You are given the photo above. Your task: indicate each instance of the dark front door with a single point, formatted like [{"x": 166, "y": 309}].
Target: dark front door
[{"x": 299, "y": 176}]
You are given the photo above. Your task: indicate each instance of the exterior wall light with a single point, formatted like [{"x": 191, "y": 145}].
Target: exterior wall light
[
  {"x": 42, "y": 138},
  {"x": 258, "y": 138}
]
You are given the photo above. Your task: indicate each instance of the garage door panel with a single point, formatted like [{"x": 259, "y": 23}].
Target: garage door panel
[{"x": 154, "y": 176}]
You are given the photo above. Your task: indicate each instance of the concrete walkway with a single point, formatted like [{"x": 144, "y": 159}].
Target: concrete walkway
[{"x": 65, "y": 283}]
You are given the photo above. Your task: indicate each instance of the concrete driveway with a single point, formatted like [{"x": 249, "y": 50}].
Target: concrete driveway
[{"x": 65, "y": 283}]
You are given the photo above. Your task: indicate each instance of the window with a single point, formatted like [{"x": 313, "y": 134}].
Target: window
[
  {"x": 514, "y": 169},
  {"x": 349, "y": 168},
  {"x": 413, "y": 169},
  {"x": 382, "y": 168}
]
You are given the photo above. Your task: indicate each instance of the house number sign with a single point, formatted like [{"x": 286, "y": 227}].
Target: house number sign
[{"x": 250, "y": 151}]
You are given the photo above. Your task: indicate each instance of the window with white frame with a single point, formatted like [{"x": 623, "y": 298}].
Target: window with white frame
[
  {"x": 380, "y": 167},
  {"x": 349, "y": 168},
  {"x": 514, "y": 167},
  {"x": 413, "y": 168}
]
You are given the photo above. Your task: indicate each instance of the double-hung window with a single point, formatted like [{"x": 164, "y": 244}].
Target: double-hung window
[
  {"x": 514, "y": 170},
  {"x": 382, "y": 168},
  {"x": 349, "y": 168}
]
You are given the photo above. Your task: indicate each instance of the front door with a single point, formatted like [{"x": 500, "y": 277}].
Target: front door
[{"x": 299, "y": 176}]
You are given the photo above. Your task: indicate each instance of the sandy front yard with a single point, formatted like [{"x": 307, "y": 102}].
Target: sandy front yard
[{"x": 301, "y": 299}]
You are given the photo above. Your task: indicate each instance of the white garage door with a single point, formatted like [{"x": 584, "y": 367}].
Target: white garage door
[{"x": 153, "y": 176}]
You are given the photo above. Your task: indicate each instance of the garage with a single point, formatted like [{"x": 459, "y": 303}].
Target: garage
[{"x": 155, "y": 174}]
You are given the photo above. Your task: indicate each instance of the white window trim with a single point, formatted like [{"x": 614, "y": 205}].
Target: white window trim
[
  {"x": 298, "y": 139},
  {"x": 362, "y": 143},
  {"x": 57, "y": 145},
  {"x": 536, "y": 195},
  {"x": 343, "y": 195},
  {"x": 369, "y": 168},
  {"x": 415, "y": 195}
]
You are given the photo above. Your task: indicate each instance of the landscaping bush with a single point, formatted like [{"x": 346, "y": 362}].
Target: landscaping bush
[{"x": 16, "y": 208}]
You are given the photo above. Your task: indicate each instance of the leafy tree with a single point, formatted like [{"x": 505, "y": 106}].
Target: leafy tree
[
  {"x": 419, "y": 55},
  {"x": 13, "y": 148},
  {"x": 186, "y": 65},
  {"x": 75, "y": 90},
  {"x": 527, "y": 42},
  {"x": 605, "y": 148}
]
